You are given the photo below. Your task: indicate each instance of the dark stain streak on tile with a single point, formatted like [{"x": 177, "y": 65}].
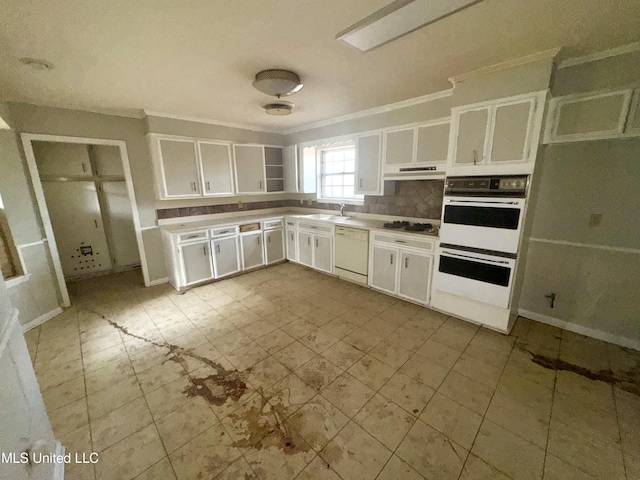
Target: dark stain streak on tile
[
  {"x": 266, "y": 425},
  {"x": 625, "y": 380}
]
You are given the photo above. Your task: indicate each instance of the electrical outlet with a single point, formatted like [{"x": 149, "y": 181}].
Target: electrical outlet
[
  {"x": 595, "y": 219},
  {"x": 309, "y": 202},
  {"x": 240, "y": 205},
  {"x": 301, "y": 201}
]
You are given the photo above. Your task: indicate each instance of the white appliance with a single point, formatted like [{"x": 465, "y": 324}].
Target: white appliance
[
  {"x": 352, "y": 254},
  {"x": 484, "y": 213},
  {"x": 482, "y": 277}
]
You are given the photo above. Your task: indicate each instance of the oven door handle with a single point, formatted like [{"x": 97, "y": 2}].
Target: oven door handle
[
  {"x": 487, "y": 202},
  {"x": 478, "y": 259}
]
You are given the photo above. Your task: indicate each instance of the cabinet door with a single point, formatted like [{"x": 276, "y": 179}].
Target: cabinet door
[
  {"x": 433, "y": 143},
  {"x": 274, "y": 246},
  {"x": 62, "y": 159},
  {"x": 471, "y": 137},
  {"x": 196, "y": 263},
  {"x": 592, "y": 116},
  {"x": 250, "y": 173},
  {"x": 291, "y": 246},
  {"x": 415, "y": 273},
  {"x": 368, "y": 165},
  {"x": 322, "y": 258},
  {"x": 511, "y": 132},
  {"x": 305, "y": 249},
  {"x": 179, "y": 162},
  {"x": 252, "y": 253},
  {"x": 290, "y": 168},
  {"x": 398, "y": 147},
  {"x": 106, "y": 160},
  {"x": 217, "y": 175},
  {"x": 225, "y": 256},
  {"x": 383, "y": 268}
]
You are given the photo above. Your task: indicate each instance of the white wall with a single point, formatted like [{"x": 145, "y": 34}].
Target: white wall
[{"x": 37, "y": 297}]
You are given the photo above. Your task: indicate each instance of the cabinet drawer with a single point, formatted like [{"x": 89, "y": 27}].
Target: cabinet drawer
[
  {"x": 405, "y": 241},
  {"x": 272, "y": 224},
  {"x": 249, "y": 227},
  {"x": 291, "y": 224},
  {"x": 193, "y": 236},
  {"x": 221, "y": 231},
  {"x": 314, "y": 227}
]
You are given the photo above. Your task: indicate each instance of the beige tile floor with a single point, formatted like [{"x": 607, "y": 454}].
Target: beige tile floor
[{"x": 287, "y": 373}]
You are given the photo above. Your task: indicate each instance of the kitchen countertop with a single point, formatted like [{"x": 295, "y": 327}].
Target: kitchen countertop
[{"x": 354, "y": 222}]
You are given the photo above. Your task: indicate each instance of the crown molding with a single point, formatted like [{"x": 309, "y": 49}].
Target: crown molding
[
  {"x": 372, "y": 111},
  {"x": 209, "y": 121},
  {"x": 516, "y": 62},
  {"x": 593, "y": 57}
]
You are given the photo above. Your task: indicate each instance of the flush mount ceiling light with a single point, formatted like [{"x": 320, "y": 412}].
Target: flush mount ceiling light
[
  {"x": 277, "y": 83},
  {"x": 279, "y": 108},
  {"x": 37, "y": 63},
  {"x": 398, "y": 19}
]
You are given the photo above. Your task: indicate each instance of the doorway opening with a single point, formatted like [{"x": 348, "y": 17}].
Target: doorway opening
[{"x": 87, "y": 204}]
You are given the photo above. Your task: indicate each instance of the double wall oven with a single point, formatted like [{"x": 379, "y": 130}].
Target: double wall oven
[{"x": 479, "y": 237}]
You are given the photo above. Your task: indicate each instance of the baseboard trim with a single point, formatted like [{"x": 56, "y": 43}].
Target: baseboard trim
[
  {"x": 158, "y": 281},
  {"x": 58, "y": 469},
  {"x": 41, "y": 319},
  {"x": 586, "y": 331}
]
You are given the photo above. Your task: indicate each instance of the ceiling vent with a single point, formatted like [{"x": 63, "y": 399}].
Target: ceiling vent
[{"x": 279, "y": 108}]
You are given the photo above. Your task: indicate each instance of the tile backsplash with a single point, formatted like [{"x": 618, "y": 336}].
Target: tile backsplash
[{"x": 407, "y": 198}]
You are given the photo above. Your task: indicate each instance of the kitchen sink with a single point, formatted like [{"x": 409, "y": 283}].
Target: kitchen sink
[{"x": 324, "y": 216}]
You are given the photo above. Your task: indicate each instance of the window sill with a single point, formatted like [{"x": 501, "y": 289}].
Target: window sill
[{"x": 15, "y": 281}]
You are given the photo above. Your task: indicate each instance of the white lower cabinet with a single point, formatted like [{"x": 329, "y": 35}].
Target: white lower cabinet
[
  {"x": 305, "y": 249},
  {"x": 315, "y": 246},
  {"x": 274, "y": 245},
  {"x": 384, "y": 266},
  {"x": 196, "y": 262},
  {"x": 415, "y": 276},
  {"x": 226, "y": 260},
  {"x": 291, "y": 234},
  {"x": 402, "y": 266},
  {"x": 252, "y": 251}
]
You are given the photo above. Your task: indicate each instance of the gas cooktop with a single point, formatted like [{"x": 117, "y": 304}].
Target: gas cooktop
[{"x": 408, "y": 226}]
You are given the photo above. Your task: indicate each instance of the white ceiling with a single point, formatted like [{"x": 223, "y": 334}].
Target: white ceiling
[{"x": 197, "y": 58}]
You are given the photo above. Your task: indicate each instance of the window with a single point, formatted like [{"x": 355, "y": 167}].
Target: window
[{"x": 337, "y": 173}]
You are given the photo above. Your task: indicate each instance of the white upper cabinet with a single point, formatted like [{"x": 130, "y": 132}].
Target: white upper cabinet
[
  {"x": 62, "y": 159},
  {"x": 250, "y": 168},
  {"x": 217, "y": 171},
  {"x": 594, "y": 116},
  {"x": 290, "y": 169},
  {"x": 274, "y": 169},
  {"x": 416, "y": 152},
  {"x": 368, "y": 164},
  {"x": 179, "y": 168},
  {"x": 496, "y": 137}
]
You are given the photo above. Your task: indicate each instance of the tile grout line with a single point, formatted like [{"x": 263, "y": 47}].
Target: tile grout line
[{"x": 485, "y": 412}]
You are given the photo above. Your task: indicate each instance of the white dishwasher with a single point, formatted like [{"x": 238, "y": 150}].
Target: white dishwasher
[{"x": 352, "y": 254}]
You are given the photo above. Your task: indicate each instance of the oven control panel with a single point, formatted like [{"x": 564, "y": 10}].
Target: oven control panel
[{"x": 487, "y": 186}]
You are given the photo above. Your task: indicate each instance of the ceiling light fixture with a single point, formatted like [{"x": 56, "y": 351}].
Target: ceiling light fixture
[
  {"x": 277, "y": 83},
  {"x": 279, "y": 109},
  {"x": 37, "y": 63},
  {"x": 398, "y": 19}
]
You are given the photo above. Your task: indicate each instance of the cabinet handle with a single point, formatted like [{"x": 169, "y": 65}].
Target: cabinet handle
[
  {"x": 204, "y": 250},
  {"x": 400, "y": 241},
  {"x": 269, "y": 238},
  {"x": 406, "y": 262},
  {"x": 96, "y": 223},
  {"x": 258, "y": 240},
  {"x": 316, "y": 243},
  {"x": 391, "y": 259},
  {"x": 208, "y": 186},
  {"x": 309, "y": 241},
  {"x": 360, "y": 182},
  {"x": 260, "y": 184},
  {"x": 475, "y": 156},
  {"x": 218, "y": 248},
  {"x": 84, "y": 168},
  {"x": 292, "y": 236}
]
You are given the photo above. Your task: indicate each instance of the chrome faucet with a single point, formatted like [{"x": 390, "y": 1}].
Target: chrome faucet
[{"x": 342, "y": 206}]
